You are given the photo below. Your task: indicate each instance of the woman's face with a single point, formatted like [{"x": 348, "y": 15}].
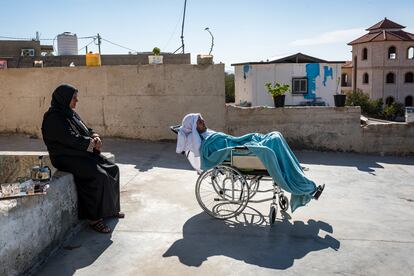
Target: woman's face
[
  {"x": 201, "y": 125},
  {"x": 74, "y": 100}
]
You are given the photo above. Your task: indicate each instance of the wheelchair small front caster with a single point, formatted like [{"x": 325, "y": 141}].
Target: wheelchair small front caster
[
  {"x": 283, "y": 203},
  {"x": 272, "y": 213}
]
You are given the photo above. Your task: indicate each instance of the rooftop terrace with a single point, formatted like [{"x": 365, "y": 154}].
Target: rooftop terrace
[{"x": 362, "y": 223}]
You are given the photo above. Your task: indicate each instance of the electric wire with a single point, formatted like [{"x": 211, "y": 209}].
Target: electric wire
[
  {"x": 119, "y": 45},
  {"x": 86, "y": 45}
]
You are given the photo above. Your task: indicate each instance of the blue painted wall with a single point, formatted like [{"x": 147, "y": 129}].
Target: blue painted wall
[{"x": 312, "y": 72}]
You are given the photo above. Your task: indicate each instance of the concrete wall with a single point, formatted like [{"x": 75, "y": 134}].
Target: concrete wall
[
  {"x": 394, "y": 138},
  {"x": 80, "y": 60},
  {"x": 378, "y": 65},
  {"x": 323, "y": 128},
  {"x": 32, "y": 227},
  {"x": 317, "y": 128},
  {"x": 127, "y": 101},
  {"x": 322, "y": 82},
  {"x": 12, "y": 48}
]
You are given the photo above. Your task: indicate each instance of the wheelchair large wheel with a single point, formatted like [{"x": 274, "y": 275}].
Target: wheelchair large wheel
[{"x": 222, "y": 192}]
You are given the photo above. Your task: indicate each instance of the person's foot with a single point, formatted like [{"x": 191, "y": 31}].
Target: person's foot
[
  {"x": 319, "y": 191},
  {"x": 100, "y": 227},
  {"x": 120, "y": 215}
]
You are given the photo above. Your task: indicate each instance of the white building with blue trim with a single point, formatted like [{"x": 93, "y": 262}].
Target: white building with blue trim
[{"x": 312, "y": 81}]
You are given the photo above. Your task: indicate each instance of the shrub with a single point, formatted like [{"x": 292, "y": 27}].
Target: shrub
[
  {"x": 229, "y": 87},
  {"x": 393, "y": 110},
  {"x": 372, "y": 108},
  {"x": 156, "y": 51},
  {"x": 277, "y": 89}
]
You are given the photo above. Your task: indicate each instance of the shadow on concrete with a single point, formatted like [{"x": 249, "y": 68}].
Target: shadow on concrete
[
  {"x": 79, "y": 252},
  {"x": 147, "y": 155},
  {"x": 365, "y": 163},
  {"x": 248, "y": 238}
]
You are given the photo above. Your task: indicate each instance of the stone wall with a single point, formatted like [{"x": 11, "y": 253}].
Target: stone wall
[{"x": 125, "y": 101}]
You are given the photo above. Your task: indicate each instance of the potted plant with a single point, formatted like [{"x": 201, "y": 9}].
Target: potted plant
[
  {"x": 339, "y": 97},
  {"x": 278, "y": 92},
  {"x": 155, "y": 58}
]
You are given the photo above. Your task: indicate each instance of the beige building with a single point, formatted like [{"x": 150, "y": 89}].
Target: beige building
[
  {"x": 383, "y": 63},
  {"x": 346, "y": 76}
]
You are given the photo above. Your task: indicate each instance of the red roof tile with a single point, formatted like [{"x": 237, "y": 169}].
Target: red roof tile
[
  {"x": 384, "y": 35},
  {"x": 385, "y": 24}
]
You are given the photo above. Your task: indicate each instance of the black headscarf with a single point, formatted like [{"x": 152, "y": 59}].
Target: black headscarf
[{"x": 61, "y": 98}]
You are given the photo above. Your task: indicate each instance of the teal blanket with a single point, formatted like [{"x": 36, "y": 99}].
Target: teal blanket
[{"x": 275, "y": 155}]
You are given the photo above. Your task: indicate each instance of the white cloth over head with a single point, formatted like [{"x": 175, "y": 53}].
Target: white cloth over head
[{"x": 188, "y": 138}]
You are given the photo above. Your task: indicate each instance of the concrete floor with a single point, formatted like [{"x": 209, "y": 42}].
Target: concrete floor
[{"x": 363, "y": 223}]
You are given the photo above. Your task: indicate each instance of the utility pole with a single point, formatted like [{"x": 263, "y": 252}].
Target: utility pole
[
  {"x": 99, "y": 44},
  {"x": 182, "y": 30},
  {"x": 182, "y": 27}
]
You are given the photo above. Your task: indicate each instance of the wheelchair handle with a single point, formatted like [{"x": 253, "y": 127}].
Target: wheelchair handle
[{"x": 175, "y": 128}]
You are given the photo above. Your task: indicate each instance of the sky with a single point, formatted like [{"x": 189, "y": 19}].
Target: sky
[{"x": 243, "y": 30}]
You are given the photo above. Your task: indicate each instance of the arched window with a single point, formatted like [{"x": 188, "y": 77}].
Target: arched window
[
  {"x": 365, "y": 78},
  {"x": 344, "y": 80},
  {"x": 389, "y": 100},
  {"x": 364, "y": 54},
  {"x": 410, "y": 53},
  {"x": 409, "y": 101},
  {"x": 409, "y": 77},
  {"x": 392, "y": 52},
  {"x": 390, "y": 78}
]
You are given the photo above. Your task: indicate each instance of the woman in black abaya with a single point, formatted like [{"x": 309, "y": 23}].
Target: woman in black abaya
[{"x": 75, "y": 148}]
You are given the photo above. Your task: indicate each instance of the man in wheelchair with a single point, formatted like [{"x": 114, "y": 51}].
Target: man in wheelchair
[{"x": 214, "y": 148}]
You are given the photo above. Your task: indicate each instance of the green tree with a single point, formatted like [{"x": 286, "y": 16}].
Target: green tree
[{"x": 229, "y": 87}]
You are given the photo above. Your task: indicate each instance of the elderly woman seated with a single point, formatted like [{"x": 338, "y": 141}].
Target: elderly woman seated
[
  {"x": 214, "y": 147},
  {"x": 75, "y": 148}
]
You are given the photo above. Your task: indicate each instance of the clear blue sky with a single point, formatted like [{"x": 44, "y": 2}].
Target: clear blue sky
[{"x": 244, "y": 30}]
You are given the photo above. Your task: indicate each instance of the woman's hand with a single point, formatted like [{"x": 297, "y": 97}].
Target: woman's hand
[{"x": 98, "y": 143}]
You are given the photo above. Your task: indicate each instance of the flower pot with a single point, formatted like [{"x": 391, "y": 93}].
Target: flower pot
[
  {"x": 279, "y": 101},
  {"x": 340, "y": 100},
  {"x": 155, "y": 59}
]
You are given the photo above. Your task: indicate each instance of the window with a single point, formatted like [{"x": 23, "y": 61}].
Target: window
[
  {"x": 410, "y": 53},
  {"x": 389, "y": 100},
  {"x": 409, "y": 77},
  {"x": 390, "y": 78},
  {"x": 364, "y": 54},
  {"x": 392, "y": 52},
  {"x": 344, "y": 80},
  {"x": 409, "y": 101},
  {"x": 299, "y": 85},
  {"x": 365, "y": 78}
]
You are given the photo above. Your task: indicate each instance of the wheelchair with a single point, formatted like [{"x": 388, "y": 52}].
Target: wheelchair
[{"x": 224, "y": 191}]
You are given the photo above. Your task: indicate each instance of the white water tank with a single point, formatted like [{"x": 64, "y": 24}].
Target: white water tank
[{"x": 67, "y": 44}]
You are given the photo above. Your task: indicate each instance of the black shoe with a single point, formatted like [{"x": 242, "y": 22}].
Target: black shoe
[{"x": 319, "y": 191}]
